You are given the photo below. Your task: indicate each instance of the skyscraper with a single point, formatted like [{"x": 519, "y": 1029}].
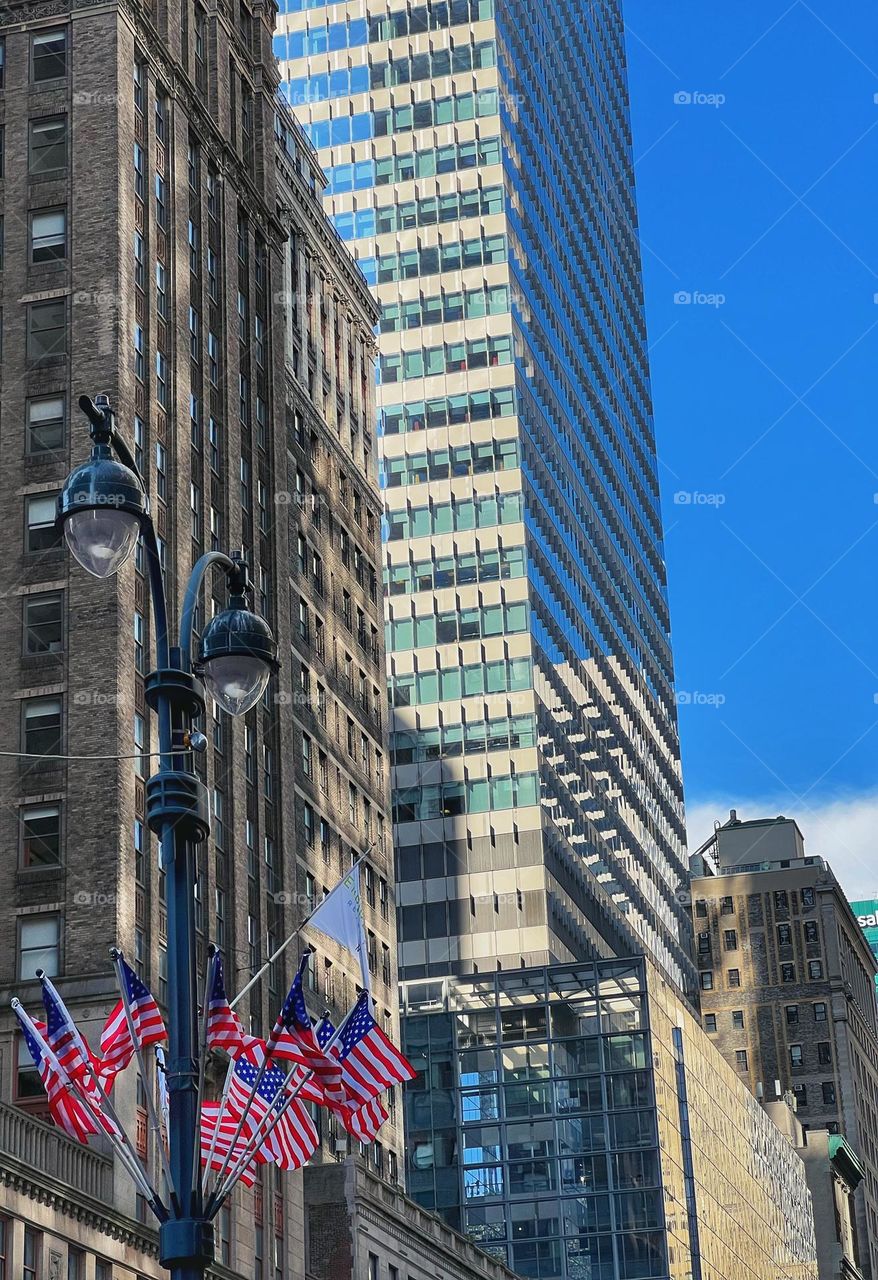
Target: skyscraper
[{"x": 479, "y": 162}]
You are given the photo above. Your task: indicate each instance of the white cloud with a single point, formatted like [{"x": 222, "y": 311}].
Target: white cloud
[{"x": 844, "y": 832}]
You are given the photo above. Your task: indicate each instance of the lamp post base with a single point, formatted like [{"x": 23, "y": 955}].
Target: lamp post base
[{"x": 186, "y": 1246}]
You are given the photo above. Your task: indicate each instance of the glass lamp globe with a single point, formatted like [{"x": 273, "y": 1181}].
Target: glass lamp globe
[{"x": 101, "y": 538}]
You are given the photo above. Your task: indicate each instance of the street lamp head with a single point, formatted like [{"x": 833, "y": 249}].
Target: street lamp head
[
  {"x": 237, "y": 657},
  {"x": 101, "y": 508}
]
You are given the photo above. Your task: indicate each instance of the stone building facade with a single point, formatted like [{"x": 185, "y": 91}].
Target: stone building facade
[
  {"x": 164, "y": 242},
  {"x": 787, "y": 988},
  {"x": 359, "y": 1228}
]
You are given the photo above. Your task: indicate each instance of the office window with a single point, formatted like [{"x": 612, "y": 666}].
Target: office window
[
  {"x": 815, "y": 968},
  {"x": 741, "y": 1059},
  {"x": 726, "y": 906},
  {"x": 704, "y": 942},
  {"x": 701, "y": 908},
  {"x": 781, "y": 902},
  {"x": 47, "y": 329},
  {"x": 75, "y": 1263},
  {"x": 39, "y": 946},
  {"x": 824, "y": 1053},
  {"x": 734, "y": 977},
  {"x": 828, "y": 1088},
  {"x": 706, "y": 977},
  {"x": 784, "y": 935},
  {"x": 807, "y": 897},
  {"x": 373, "y": 1267},
  {"x": 788, "y": 973},
  {"x": 41, "y": 726},
  {"x": 49, "y": 54},
  {"x": 42, "y": 534},
  {"x": 811, "y": 930},
  {"x": 819, "y": 1011},
  {"x": 47, "y": 144},
  {"x": 43, "y": 623},
  {"x": 48, "y": 235},
  {"x": 792, "y": 1013},
  {"x": 5, "y": 1246},
  {"x": 738, "y": 1019},
  {"x": 730, "y": 939},
  {"x": 45, "y": 424},
  {"x": 710, "y": 1022},
  {"x": 41, "y": 836},
  {"x": 103, "y": 1269},
  {"x": 141, "y": 762},
  {"x": 797, "y": 1058}
]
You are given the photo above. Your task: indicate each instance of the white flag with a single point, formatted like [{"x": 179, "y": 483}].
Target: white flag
[{"x": 340, "y": 916}]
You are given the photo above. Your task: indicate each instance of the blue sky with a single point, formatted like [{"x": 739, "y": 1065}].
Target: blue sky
[{"x": 756, "y": 144}]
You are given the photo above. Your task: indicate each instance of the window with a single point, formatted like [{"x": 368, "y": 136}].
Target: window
[
  {"x": 39, "y": 946},
  {"x": 48, "y": 235},
  {"x": 43, "y": 623},
  {"x": 730, "y": 940},
  {"x": 734, "y": 977},
  {"x": 807, "y": 897},
  {"x": 828, "y": 1088},
  {"x": 41, "y": 836},
  {"x": 800, "y": 1092},
  {"x": 42, "y": 727},
  {"x": 792, "y": 1014},
  {"x": 741, "y": 1059},
  {"x": 710, "y": 1022},
  {"x": 824, "y": 1053},
  {"x": 47, "y": 329},
  {"x": 784, "y": 935},
  {"x": 704, "y": 943},
  {"x": 47, "y": 149},
  {"x": 815, "y": 968},
  {"x": 141, "y": 762},
  {"x": 373, "y": 1267},
  {"x": 49, "y": 55},
  {"x": 701, "y": 908},
  {"x": 788, "y": 973},
  {"x": 42, "y": 533},
  {"x": 75, "y": 1263},
  {"x": 797, "y": 1058},
  {"x": 812, "y": 933},
  {"x": 738, "y": 1019},
  {"x": 726, "y": 906},
  {"x": 706, "y": 977},
  {"x": 161, "y": 465},
  {"x": 819, "y": 1011},
  {"x": 103, "y": 1269},
  {"x": 45, "y": 424},
  {"x": 781, "y": 903}
]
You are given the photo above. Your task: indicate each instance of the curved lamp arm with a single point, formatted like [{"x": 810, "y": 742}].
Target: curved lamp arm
[{"x": 236, "y": 571}]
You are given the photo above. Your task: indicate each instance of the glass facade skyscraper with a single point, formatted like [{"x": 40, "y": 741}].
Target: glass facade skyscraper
[{"x": 479, "y": 163}]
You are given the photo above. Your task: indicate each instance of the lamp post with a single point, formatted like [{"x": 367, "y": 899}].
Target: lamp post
[{"x": 103, "y": 509}]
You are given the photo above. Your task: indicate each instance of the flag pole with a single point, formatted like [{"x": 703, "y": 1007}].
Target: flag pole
[
  {"x": 141, "y": 1066},
  {"x": 120, "y": 1142},
  {"x": 283, "y": 946},
  {"x": 210, "y": 971}
]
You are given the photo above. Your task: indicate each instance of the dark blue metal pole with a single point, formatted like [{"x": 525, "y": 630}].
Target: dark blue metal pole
[{"x": 177, "y": 811}]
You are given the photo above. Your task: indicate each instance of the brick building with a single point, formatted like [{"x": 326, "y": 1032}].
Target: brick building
[
  {"x": 164, "y": 243},
  {"x": 787, "y": 988}
]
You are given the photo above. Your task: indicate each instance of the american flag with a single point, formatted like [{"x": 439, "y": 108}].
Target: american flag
[
  {"x": 370, "y": 1061},
  {"x": 70, "y": 1048},
  {"x": 293, "y": 1140},
  {"x": 364, "y": 1122},
  {"x": 209, "y": 1116},
  {"x": 293, "y": 1037},
  {"x": 65, "y": 1108},
  {"x": 224, "y": 1029},
  {"x": 117, "y": 1047}
]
